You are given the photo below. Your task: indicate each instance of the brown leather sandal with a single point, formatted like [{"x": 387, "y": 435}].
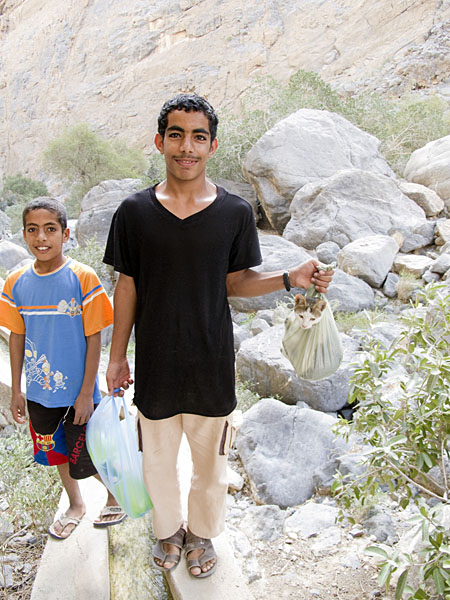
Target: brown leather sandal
[
  {"x": 193, "y": 542},
  {"x": 158, "y": 550}
]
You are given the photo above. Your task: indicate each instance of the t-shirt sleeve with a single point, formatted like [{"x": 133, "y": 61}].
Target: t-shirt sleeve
[
  {"x": 10, "y": 316},
  {"x": 97, "y": 311},
  {"x": 117, "y": 251},
  {"x": 245, "y": 250}
]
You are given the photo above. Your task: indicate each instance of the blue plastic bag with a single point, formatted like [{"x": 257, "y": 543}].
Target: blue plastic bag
[{"x": 113, "y": 448}]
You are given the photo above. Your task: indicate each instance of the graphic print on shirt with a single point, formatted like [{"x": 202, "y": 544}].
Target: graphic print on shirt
[
  {"x": 38, "y": 370},
  {"x": 71, "y": 308}
]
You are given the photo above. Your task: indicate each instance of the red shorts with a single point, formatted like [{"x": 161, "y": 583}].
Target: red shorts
[{"x": 57, "y": 440}]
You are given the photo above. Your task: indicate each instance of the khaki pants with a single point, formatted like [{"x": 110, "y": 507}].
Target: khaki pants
[{"x": 209, "y": 439}]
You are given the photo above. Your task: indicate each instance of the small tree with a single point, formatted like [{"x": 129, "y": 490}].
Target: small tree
[
  {"x": 83, "y": 159},
  {"x": 408, "y": 442}
]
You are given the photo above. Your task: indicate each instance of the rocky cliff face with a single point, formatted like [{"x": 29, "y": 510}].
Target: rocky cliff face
[{"x": 112, "y": 64}]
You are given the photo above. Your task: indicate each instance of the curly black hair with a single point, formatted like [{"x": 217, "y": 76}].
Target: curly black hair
[{"x": 188, "y": 102}]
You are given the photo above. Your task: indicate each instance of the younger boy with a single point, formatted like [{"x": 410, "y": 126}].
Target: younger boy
[{"x": 55, "y": 309}]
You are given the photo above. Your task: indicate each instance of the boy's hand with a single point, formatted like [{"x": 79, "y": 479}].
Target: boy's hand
[
  {"x": 306, "y": 274},
  {"x": 118, "y": 376},
  {"x": 84, "y": 407},
  {"x": 17, "y": 406}
]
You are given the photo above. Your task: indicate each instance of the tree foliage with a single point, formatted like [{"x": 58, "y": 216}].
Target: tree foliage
[
  {"x": 402, "y": 125},
  {"x": 16, "y": 191},
  {"x": 408, "y": 442},
  {"x": 83, "y": 159}
]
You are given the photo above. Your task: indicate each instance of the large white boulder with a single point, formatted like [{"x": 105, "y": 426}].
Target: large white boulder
[
  {"x": 353, "y": 204},
  {"x": 430, "y": 166},
  {"x": 369, "y": 258},
  {"x": 277, "y": 254},
  {"x": 281, "y": 446},
  {"x": 98, "y": 207},
  {"x": 260, "y": 363},
  {"x": 306, "y": 147},
  {"x": 11, "y": 254}
]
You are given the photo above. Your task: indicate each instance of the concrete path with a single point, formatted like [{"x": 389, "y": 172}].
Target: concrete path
[{"x": 77, "y": 568}]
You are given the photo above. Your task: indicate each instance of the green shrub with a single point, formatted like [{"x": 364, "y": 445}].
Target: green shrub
[
  {"x": 92, "y": 254},
  {"x": 246, "y": 398},
  {"x": 407, "y": 439},
  {"x": 402, "y": 125},
  {"x": 31, "y": 490},
  {"x": 17, "y": 190},
  {"x": 83, "y": 159}
]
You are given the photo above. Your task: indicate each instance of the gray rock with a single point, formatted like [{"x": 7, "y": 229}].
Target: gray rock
[
  {"x": 98, "y": 207},
  {"x": 390, "y": 285},
  {"x": 11, "y": 254},
  {"x": 6, "y": 576},
  {"x": 427, "y": 199},
  {"x": 381, "y": 526},
  {"x": 327, "y": 541},
  {"x": 242, "y": 546},
  {"x": 281, "y": 447},
  {"x": 349, "y": 294},
  {"x": 327, "y": 252},
  {"x": 240, "y": 334},
  {"x": 370, "y": 258},
  {"x": 430, "y": 166},
  {"x": 277, "y": 254},
  {"x": 266, "y": 314},
  {"x": 258, "y": 326},
  {"x": 414, "y": 264},
  {"x": 4, "y": 224},
  {"x": 306, "y": 146},
  {"x": 260, "y": 362},
  {"x": 244, "y": 190},
  {"x": 354, "y": 204},
  {"x": 430, "y": 277},
  {"x": 441, "y": 264},
  {"x": 311, "y": 519},
  {"x": 6, "y": 528},
  {"x": 323, "y": 477},
  {"x": 263, "y": 522}
]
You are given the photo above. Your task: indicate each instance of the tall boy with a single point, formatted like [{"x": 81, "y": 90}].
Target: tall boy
[
  {"x": 181, "y": 248},
  {"x": 56, "y": 309}
]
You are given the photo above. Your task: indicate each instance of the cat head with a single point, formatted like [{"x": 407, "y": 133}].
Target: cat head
[{"x": 309, "y": 310}]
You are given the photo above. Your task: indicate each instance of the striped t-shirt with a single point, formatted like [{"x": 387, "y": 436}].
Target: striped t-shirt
[{"x": 55, "y": 311}]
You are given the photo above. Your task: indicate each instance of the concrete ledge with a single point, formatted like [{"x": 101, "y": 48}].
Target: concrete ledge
[
  {"x": 226, "y": 582},
  {"x": 77, "y": 567}
]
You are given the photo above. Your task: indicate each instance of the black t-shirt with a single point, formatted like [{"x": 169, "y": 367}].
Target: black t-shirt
[{"x": 184, "y": 359}]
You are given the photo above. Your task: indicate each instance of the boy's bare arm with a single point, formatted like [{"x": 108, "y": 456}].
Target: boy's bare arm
[
  {"x": 84, "y": 404},
  {"x": 248, "y": 282},
  {"x": 16, "y": 355},
  {"x": 118, "y": 373}
]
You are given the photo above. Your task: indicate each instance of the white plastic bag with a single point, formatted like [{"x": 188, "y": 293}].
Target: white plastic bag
[
  {"x": 112, "y": 445},
  {"x": 317, "y": 352}
]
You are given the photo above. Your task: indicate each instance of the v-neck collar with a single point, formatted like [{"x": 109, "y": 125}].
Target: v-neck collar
[{"x": 162, "y": 209}]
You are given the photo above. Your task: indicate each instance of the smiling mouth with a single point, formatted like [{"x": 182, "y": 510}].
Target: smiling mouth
[
  {"x": 42, "y": 248},
  {"x": 186, "y": 161}
]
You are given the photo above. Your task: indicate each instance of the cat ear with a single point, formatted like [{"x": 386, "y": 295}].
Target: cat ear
[
  {"x": 320, "y": 304},
  {"x": 300, "y": 300}
]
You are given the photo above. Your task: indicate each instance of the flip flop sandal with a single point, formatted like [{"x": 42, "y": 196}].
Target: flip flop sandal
[
  {"x": 158, "y": 550},
  {"x": 108, "y": 511},
  {"x": 63, "y": 520},
  {"x": 193, "y": 542}
]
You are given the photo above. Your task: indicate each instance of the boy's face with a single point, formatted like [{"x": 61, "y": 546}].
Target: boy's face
[
  {"x": 45, "y": 238},
  {"x": 186, "y": 145}
]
